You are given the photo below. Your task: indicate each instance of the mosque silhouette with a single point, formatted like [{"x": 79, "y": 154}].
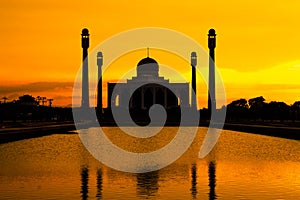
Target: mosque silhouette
[{"x": 154, "y": 89}]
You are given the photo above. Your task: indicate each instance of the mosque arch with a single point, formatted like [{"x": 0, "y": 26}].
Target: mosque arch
[
  {"x": 148, "y": 98},
  {"x": 160, "y": 96},
  {"x": 135, "y": 100}
]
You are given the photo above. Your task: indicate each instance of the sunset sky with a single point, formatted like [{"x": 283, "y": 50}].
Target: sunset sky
[{"x": 257, "y": 54}]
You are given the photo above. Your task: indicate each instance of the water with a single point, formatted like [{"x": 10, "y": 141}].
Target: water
[{"x": 241, "y": 166}]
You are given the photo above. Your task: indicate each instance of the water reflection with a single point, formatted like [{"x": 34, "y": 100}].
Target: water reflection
[
  {"x": 99, "y": 184},
  {"x": 61, "y": 168},
  {"x": 84, "y": 182},
  {"x": 147, "y": 184},
  {"x": 194, "y": 181},
  {"x": 212, "y": 180}
]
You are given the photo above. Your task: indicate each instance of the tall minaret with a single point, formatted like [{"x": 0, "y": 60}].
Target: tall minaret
[
  {"x": 193, "y": 64},
  {"x": 99, "y": 97},
  {"x": 211, "y": 87},
  {"x": 85, "y": 70}
]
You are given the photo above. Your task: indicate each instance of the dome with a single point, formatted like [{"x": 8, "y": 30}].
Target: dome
[
  {"x": 85, "y": 32},
  {"x": 147, "y": 67},
  {"x": 212, "y": 32},
  {"x": 147, "y": 61}
]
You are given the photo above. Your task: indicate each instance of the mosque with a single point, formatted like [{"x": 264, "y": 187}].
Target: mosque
[{"x": 154, "y": 89}]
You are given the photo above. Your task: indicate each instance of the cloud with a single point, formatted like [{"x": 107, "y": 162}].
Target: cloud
[
  {"x": 35, "y": 87},
  {"x": 61, "y": 92}
]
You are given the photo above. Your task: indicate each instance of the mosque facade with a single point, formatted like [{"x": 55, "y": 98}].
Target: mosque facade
[{"x": 154, "y": 89}]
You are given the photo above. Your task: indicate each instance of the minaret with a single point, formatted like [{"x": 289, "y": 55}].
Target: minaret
[
  {"x": 211, "y": 84},
  {"x": 193, "y": 64},
  {"x": 85, "y": 70},
  {"x": 99, "y": 97}
]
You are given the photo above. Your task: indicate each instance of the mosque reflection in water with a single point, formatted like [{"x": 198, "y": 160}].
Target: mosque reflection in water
[
  {"x": 147, "y": 184},
  {"x": 85, "y": 183}
]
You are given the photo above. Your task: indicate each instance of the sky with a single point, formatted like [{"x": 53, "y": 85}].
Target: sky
[{"x": 257, "y": 50}]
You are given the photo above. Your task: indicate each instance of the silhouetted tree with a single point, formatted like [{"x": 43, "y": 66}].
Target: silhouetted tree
[
  {"x": 296, "y": 105},
  {"x": 276, "y": 111},
  {"x": 257, "y": 106},
  {"x": 27, "y": 100},
  {"x": 256, "y": 102},
  {"x": 295, "y": 108},
  {"x": 26, "y": 109},
  {"x": 4, "y": 99},
  {"x": 50, "y": 102},
  {"x": 44, "y": 100},
  {"x": 238, "y": 109},
  {"x": 38, "y": 99}
]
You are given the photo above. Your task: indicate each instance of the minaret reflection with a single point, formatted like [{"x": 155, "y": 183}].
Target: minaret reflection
[
  {"x": 84, "y": 183},
  {"x": 99, "y": 184},
  {"x": 212, "y": 180},
  {"x": 147, "y": 184},
  {"x": 194, "y": 181}
]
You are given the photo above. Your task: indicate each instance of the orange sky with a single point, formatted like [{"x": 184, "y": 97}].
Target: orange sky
[{"x": 257, "y": 42}]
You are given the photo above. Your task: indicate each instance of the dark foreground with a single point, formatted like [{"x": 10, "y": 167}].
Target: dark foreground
[
  {"x": 34, "y": 130},
  {"x": 10, "y": 134},
  {"x": 269, "y": 130}
]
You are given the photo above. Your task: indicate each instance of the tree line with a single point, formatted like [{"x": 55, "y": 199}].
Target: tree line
[
  {"x": 28, "y": 109},
  {"x": 257, "y": 109}
]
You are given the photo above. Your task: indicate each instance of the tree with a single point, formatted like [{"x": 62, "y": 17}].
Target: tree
[
  {"x": 50, "y": 102},
  {"x": 256, "y": 102},
  {"x": 27, "y": 100},
  {"x": 238, "y": 109},
  {"x": 4, "y": 99},
  {"x": 44, "y": 100},
  {"x": 296, "y": 110},
  {"x": 277, "y": 110},
  {"x": 38, "y": 99},
  {"x": 241, "y": 103},
  {"x": 257, "y": 106},
  {"x": 296, "y": 105}
]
